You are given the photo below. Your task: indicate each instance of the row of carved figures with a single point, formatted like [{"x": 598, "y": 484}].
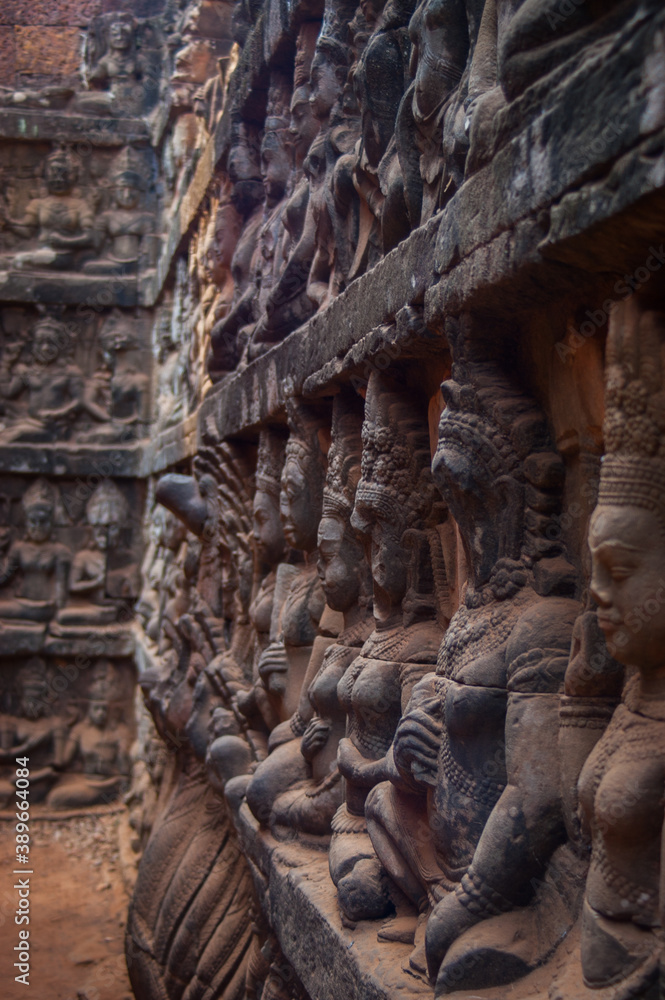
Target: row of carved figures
[
  {"x": 387, "y": 108},
  {"x": 386, "y": 655}
]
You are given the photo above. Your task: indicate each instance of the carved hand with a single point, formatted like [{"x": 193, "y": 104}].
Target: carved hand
[
  {"x": 416, "y": 746},
  {"x": 314, "y": 738}
]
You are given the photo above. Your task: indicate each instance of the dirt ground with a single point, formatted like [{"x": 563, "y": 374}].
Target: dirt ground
[{"x": 78, "y": 908}]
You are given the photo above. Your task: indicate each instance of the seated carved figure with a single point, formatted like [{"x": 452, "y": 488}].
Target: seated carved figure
[
  {"x": 53, "y": 384},
  {"x": 118, "y": 75},
  {"x": 106, "y": 513},
  {"x": 310, "y": 806},
  {"x": 95, "y": 753},
  {"x": 60, "y": 221},
  {"x": 471, "y": 761},
  {"x": 35, "y": 569},
  {"x": 397, "y": 509},
  {"x": 226, "y": 337},
  {"x": 33, "y": 732},
  {"x": 286, "y": 305},
  {"x": 269, "y": 545},
  {"x": 124, "y": 225},
  {"x": 288, "y": 663},
  {"x": 621, "y": 784}
]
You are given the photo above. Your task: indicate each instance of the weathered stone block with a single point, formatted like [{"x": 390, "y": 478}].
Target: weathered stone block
[
  {"x": 7, "y": 56},
  {"x": 47, "y": 51},
  {"x": 52, "y": 12}
]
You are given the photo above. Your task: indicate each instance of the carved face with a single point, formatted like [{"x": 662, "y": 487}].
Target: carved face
[
  {"x": 275, "y": 170},
  {"x": 440, "y": 45},
  {"x": 120, "y": 35},
  {"x": 100, "y": 537},
  {"x": 126, "y": 196},
  {"x": 98, "y": 713},
  {"x": 32, "y": 700},
  {"x": 59, "y": 179},
  {"x": 304, "y": 125},
  {"x": 476, "y": 503},
  {"x": 39, "y": 524},
  {"x": 242, "y": 164},
  {"x": 46, "y": 348},
  {"x": 339, "y": 559},
  {"x": 267, "y": 528},
  {"x": 628, "y": 584},
  {"x": 387, "y": 555},
  {"x": 325, "y": 86},
  {"x": 299, "y": 506}
]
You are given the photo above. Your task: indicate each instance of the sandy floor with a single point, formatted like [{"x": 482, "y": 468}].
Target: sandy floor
[{"x": 78, "y": 906}]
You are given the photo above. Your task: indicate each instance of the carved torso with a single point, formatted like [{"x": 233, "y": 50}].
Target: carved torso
[{"x": 621, "y": 803}]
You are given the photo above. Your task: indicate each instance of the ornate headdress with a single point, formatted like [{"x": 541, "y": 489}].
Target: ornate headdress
[
  {"x": 633, "y": 469},
  {"x": 305, "y": 45},
  {"x": 270, "y": 460},
  {"x": 276, "y": 124},
  {"x": 103, "y": 682},
  {"x": 40, "y": 495},
  {"x": 61, "y": 159},
  {"x": 308, "y": 436},
  {"x": 344, "y": 457},
  {"x": 396, "y": 474},
  {"x": 493, "y": 423},
  {"x": 33, "y": 677},
  {"x": 130, "y": 169},
  {"x": 107, "y": 505}
]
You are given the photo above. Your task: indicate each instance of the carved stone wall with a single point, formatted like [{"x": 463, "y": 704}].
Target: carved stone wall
[{"x": 331, "y": 380}]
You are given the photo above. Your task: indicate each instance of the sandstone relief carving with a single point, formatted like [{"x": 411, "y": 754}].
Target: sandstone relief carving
[{"x": 304, "y": 314}]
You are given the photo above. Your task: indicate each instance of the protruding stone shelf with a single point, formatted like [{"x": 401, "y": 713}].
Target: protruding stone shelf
[
  {"x": 300, "y": 902},
  {"x": 70, "y": 288},
  {"x": 36, "y": 125}
]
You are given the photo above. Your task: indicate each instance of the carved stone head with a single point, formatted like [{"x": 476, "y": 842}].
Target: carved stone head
[
  {"x": 275, "y": 146},
  {"x": 627, "y": 530},
  {"x": 60, "y": 173},
  {"x": 267, "y": 527},
  {"x": 330, "y": 67},
  {"x": 51, "y": 341},
  {"x": 121, "y": 33},
  {"x": 303, "y": 125},
  {"x": 342, "y": 567},
  {"x": 33, "y": 687},
  {"x": 440, "y": 38},
  {"x": 107, "y": 512},
  {"x": 303, "y": 476},
  {"x": 501, "y": 478},
  {"x": 39, "y": 505},
  {"x": 396, "y": 500}
]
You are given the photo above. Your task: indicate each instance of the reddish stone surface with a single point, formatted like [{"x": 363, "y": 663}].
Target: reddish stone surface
[
  {"x": 47, "y": 51},
  {"x": 7, "y": 56},
  {"x": 139, "y": 8},
  {"x": 50, "y": 12}
]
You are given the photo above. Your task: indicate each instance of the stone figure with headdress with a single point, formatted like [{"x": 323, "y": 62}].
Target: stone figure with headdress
[
  {"x": 59, "y": 222},
  {"x": 397, "y": 509},
  {"x": 121, "y": 66},
  {"x": 469, "y": 735},
  {"x": 122, "y": 229},
  {"x": 620, "y": 786},
  {"x": 95, "y": 755},
  {"x": 309, "y": 806},
  {"x": 53, "y": 383},
  {"x": 35, "y": 569}
]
